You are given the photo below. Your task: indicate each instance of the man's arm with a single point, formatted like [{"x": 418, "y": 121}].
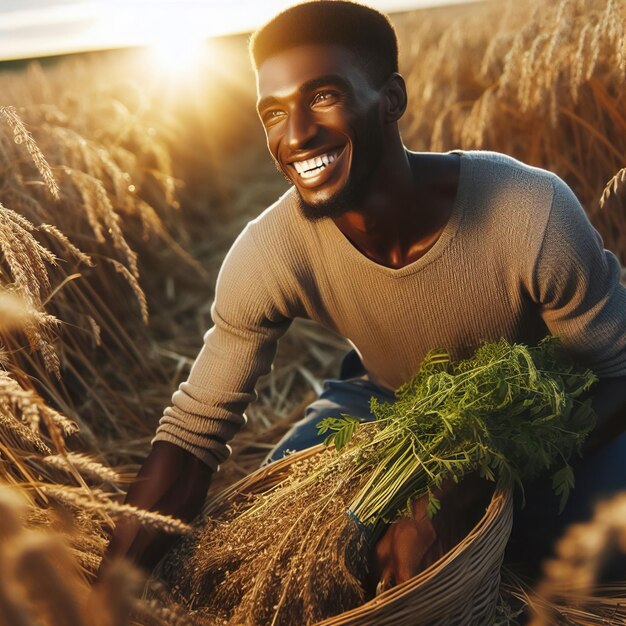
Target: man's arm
[
  {"x": 207, "y": 409},
  {"x": 171, "y": 481},
  {"x": 413, "y": 543},
  {"x": 577, "y": 285}
]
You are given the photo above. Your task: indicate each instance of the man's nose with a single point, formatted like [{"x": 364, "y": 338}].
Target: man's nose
[{"x": 300, "y": 130}]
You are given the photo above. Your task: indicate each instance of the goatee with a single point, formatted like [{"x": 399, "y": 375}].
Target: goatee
[{"x": 350, "y": 197}]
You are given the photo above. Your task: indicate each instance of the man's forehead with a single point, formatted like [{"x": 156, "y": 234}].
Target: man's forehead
[{"x": 285, "y": 72}]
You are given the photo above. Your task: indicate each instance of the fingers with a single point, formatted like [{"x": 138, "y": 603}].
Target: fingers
[
  {"x": 403, "y": 551},
  {"x": 385, "y": 583},
  {"x": 412, "y": 548},
  {"x": 410, "y": 545}
]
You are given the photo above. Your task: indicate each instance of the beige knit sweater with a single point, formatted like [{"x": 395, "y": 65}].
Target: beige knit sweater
[{"x": 517, "y": 259}]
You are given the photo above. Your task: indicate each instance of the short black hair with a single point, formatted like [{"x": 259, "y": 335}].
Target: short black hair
[{"x": 356, "y": 26}]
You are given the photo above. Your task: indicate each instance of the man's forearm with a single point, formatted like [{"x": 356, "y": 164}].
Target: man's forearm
[
  {"x": 609, "y": 404},
  {"x": 171, "y": 481}
]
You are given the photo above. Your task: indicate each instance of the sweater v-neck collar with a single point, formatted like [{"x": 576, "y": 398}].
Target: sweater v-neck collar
[{"x": 340, "y": 243}]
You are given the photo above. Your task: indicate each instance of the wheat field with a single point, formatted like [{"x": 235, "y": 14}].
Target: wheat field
[{"x": 120, "y": 194}]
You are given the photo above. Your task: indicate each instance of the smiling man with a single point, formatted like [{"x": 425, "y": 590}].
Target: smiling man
[
  {"x": 400, "y": 252},
  {"x": 322, "y": 92}
]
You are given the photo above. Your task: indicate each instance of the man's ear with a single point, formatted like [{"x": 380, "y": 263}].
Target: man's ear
[{"x": 395, "y": 98}]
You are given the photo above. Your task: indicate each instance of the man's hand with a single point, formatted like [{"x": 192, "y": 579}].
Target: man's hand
[
  {"x": 412, "y": 544},
  {"x": 171, "y": 481}
]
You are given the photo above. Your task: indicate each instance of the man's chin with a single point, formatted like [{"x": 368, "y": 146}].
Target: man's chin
[
  {"x": 332, "y": 207},
  {"x": 318, "y": 211}
]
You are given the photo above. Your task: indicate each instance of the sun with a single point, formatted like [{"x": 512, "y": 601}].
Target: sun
[
  {"x": 177, "y": 44},
  {"x": 178, "y": 55}
]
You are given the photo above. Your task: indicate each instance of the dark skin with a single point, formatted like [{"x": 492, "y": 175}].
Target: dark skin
[
  {"x": 171, "y": 481},
  {"x": 316, "y": 101}
]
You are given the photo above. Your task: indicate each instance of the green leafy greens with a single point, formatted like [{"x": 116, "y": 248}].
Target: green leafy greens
[{"x": 510, "y": 411}]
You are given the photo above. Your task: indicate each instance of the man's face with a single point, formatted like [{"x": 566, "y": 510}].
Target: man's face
[{"x": 323, "y": 125}]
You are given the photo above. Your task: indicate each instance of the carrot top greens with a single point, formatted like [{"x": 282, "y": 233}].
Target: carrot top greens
[{"x": 510, "y": 411}]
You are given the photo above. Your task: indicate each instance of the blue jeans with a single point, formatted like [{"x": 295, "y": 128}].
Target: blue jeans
[
  {"x": 536, "y": 526},
  {"x": 351, "y": 396}
]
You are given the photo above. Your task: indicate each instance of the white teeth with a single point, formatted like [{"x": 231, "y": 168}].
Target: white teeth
[
  {"x": 313, "y": 172},
  {"x": 311, "y": 167},
  {"x": 309, "y": 164}
]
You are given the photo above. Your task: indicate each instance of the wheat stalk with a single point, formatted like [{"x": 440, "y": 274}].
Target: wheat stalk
[
  {"x": 569, "y": 592},
  {"x": 612, "y": 186},
  {"x": 85, "y": 463},
  {"x": 21, "y": 135},
  {"x": 98, "y": 500}
]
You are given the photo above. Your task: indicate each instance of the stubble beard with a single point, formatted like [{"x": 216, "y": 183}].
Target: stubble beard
[{"x": 346, "y": 199}]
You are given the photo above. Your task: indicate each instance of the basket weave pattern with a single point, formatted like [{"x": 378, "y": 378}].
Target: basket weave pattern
[{"x": 460, "y": 589}]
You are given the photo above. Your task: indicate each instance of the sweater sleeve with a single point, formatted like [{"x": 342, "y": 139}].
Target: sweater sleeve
[
  {"x": 208, "y": 409},
  {"x": 577, "y": 286}
]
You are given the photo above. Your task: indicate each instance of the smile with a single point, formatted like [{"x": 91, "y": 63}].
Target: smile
[{"x": 312, "y": 167}]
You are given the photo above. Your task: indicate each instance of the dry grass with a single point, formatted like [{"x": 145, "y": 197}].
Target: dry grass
[
  {"x": 118, "y": 203},
  {"x": 86, "y": 208}
]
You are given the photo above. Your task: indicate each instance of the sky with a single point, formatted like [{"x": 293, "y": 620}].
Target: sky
[{"x": 31, "y": 28}]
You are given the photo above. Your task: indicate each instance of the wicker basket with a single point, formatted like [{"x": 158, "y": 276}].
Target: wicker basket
[{"x": 460, "y": 589}]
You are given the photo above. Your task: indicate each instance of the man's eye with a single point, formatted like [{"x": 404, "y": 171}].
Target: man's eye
[
  {"x": 272, "y": 116},
  {"x": 324, "y": 97}
]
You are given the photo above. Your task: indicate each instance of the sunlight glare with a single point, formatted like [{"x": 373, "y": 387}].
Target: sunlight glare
[
  {"x": 176, "y": 55},
  {"x": 177, "y": 42}
]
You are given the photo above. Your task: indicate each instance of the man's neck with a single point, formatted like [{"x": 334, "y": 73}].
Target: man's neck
[{"x": 407, "y": 209}]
